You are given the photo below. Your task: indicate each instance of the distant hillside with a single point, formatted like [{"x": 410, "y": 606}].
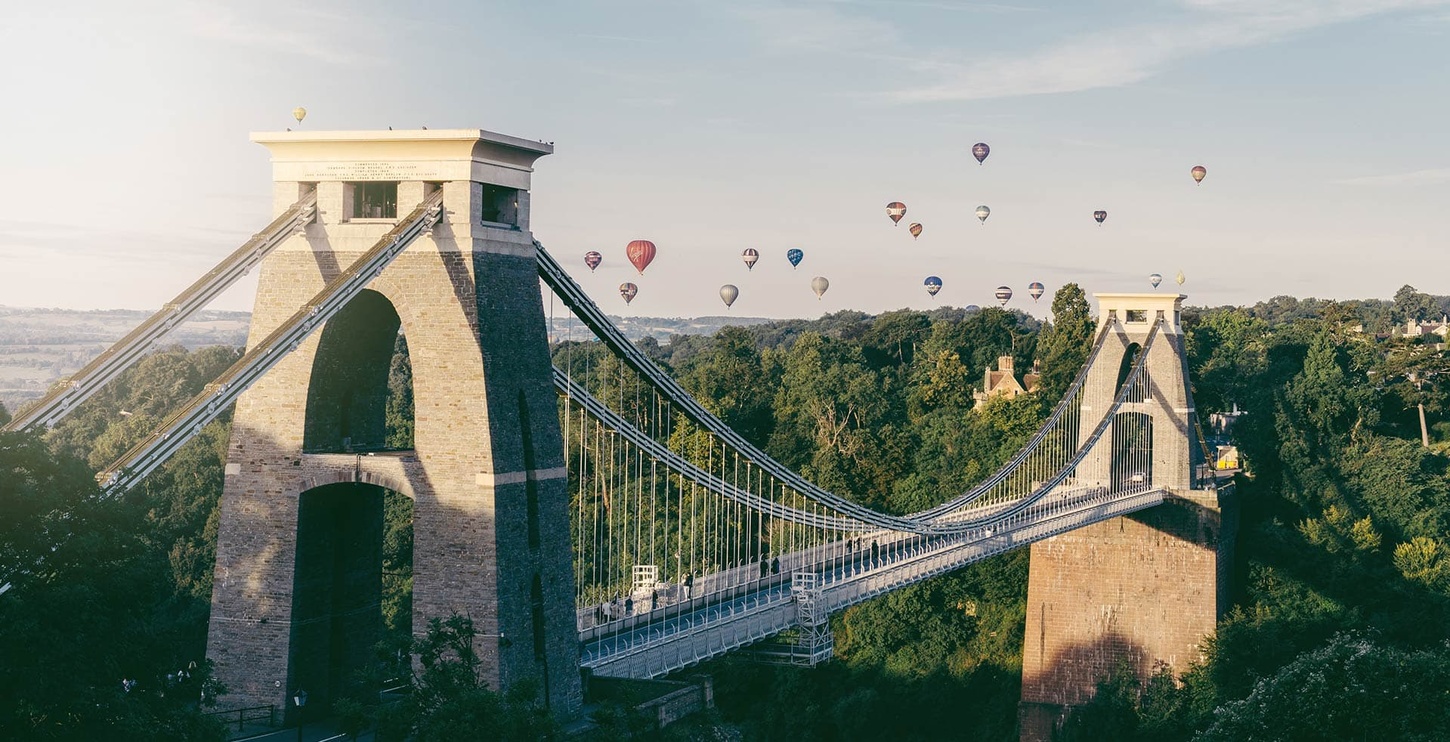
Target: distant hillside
[{"x": 39, "y": 346}]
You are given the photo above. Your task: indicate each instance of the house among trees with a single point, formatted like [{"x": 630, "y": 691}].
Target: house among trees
[
  {"x": 1003, "y": 381},
  {"x": 1415, "y": 329}
]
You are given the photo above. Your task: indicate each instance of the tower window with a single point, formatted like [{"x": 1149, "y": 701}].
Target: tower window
[
  {"x": 500, "y": 205},
  {"x": 374, "y": 200},
  {"x": 1137, "y": 315}
]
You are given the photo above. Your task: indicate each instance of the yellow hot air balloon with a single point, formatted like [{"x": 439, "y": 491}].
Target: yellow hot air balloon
[
  {"x": 299, "y": 113},
  {"x": 1180, "y": 278}
]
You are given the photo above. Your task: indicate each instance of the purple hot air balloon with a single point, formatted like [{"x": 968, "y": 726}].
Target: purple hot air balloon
[
  {"x": 1035, "y": 290},
  {"x": 980, "y": 150},
  {"x": 1100, "y": 215},
  {"x": 593, "y": 259}
]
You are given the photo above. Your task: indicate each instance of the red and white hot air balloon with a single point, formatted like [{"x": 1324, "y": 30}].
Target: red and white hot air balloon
[
  {"x": 1036, "y": 289},
  {"x": 593, "y": 259},
  {"x": 896, "y": 210},
  {"x": 750, "y": 256},
  {"x": 640, "y": 253},
  {"x": 915, "y": 230}
]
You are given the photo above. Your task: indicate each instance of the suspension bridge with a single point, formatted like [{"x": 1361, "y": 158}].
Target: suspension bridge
[{"x": 580, "y": 505}]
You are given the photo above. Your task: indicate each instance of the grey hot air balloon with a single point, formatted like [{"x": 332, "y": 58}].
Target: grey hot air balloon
[
  {"x": 750, "y": 256},
  {"x": 1155, "y": 279},
  {"x": 728, "y": 292},
  {"x": 1004, "y": 295},
  {"x": 819, "y": 284},
  {"x": 983, "y": 212}
]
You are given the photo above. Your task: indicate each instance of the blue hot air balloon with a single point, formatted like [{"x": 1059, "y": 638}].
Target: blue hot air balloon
[
  {"x": 795, "y": 256},
  {"x": 933, "y": 285}
]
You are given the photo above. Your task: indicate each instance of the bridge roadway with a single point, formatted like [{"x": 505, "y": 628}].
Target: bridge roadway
[{"x": 652, "y": 643}]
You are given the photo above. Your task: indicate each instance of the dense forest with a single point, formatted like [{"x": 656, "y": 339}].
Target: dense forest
[{"x": 1342, "y": 580}]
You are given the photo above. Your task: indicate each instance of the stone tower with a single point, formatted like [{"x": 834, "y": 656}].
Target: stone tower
[
  {"x": 295, "y": 601},
  {"x": 1138, "y": 589}
]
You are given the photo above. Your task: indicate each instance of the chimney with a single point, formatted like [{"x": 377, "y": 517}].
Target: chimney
[{"x": 1004, "y": 363}]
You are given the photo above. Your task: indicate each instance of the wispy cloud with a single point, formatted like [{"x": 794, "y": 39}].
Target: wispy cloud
[
  {"x": 333, "y": 38},
  {"x": 815, "y": 27},
  {"x": 1088, "y": 60},
  {"x": 1140, "y": 51},
  {"x": 1432, "y": 176}
]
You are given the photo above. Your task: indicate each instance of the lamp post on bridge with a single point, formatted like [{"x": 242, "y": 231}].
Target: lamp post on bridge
[{"x": 299, "y": 698}]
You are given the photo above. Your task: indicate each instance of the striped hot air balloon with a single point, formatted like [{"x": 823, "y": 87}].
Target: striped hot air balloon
[
  {"x": 628, "y": 291},
  {"x": 593, "y": 259},
  {"x": 915, "y": 230},
  {"x": 750, "y": 256},
  {"x": 1035, "y": 290},
  {"x": 983, "y": 212},
  {"x": 1003, "y": 294}
]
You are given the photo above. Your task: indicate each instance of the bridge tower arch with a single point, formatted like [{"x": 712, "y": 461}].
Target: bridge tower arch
[
  {"x": 1141, "y": 588},
  {"x": 486, "y": 472}
]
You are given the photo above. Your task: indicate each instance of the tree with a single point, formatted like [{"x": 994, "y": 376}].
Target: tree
[
  {"x": 4, "y": 415},
  {"x": 1352, "y": 688},
  {"x": 1064, "y": 345},
  {"x": 450, "y": 701}
]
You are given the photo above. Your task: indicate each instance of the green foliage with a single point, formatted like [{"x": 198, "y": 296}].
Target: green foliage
[
  {"x": 450, "y": 701},
  {"x": 87, "y": 610},
  {"x": 1065, "y": 344},
  {"x": 1351, "y": 688}
]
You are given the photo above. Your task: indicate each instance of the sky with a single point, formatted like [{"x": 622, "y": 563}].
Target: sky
[{"x": 712, "y": 126}]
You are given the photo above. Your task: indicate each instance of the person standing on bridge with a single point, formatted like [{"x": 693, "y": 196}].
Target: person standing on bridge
[
  {"x": 775, "y": 566},
  {"x": 629, "y": 605},
  {"x": 875, "y": 553},
  {"x": 764, "y": 566},
  {"x": 689, "y": 584}
]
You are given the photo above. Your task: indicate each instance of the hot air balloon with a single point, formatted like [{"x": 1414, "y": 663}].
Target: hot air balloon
[
  {"x": 983, "y": 212},
  {"x": 1100, "y": 215},
  {"x": 915, "y": 230},
  {"x": 628, "y": 291},
  {"x": 1198, "y": 172},
  {"x": 593, "y": 259},
  {"x": 640, "y": 252},
  {"x": 933, "y": 285},
  {"x": 795, "y": 256},
  {"x": 299, "y": 113},
  {"x": 971, "y": 308},
  {"x": 980, "y": 150},
  {"x": 819, "y": 284},
  {"x": 750, "y": 256},
  {"x": 728, "y": 294},
  {"x": 1180, "y": 278},
  {"x": 895, "y": 210},
  {"x": 1035, "y": 290},
  {"x": 1155, "y": 279},
  {"x": 1004, "y": 294}
]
